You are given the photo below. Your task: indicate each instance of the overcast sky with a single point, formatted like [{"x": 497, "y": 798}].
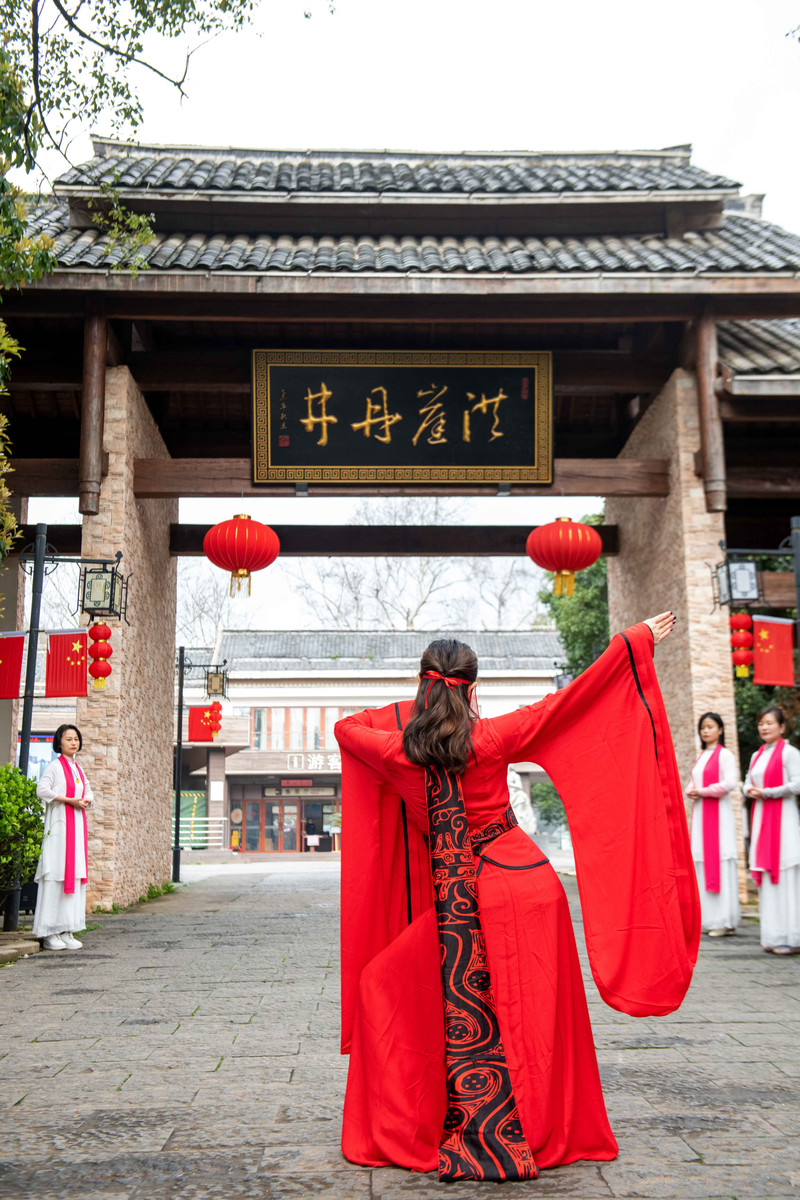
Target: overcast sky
[
  {"x": 504, "y": 75},
  {"x": 493, "y": 75}
]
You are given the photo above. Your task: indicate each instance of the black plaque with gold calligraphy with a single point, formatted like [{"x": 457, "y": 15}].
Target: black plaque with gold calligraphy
[{"x": 402, "y": 416}]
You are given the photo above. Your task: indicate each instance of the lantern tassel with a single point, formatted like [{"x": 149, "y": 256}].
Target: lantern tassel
[
  {"x": 564, "y": 583},
  {"x": 99, "y": 684},
  {"x": 743, "y": 672}
]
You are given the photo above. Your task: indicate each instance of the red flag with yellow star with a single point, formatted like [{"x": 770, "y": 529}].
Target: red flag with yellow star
[
  {"x": 200, "y": 722},
  {"x": 773, "y": 651},
  {"x": 11, "y": 648},
  {"x": 66, "y": 663}
]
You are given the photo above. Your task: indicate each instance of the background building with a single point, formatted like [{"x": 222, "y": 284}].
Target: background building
[{"x": 273, "y": 777}]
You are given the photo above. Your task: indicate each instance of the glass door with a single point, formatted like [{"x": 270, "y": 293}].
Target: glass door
[
  {"x": 252, "y": 825},
  {"x": 272, "y": 826},
  {"x": 289, "y": 825}
]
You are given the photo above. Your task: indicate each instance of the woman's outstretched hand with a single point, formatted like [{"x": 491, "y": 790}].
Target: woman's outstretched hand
[{"x": 661, "y": 626}]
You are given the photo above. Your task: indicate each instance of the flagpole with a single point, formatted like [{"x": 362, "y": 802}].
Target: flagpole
[
  {"x": 176, "y": 849},
  {"x": 11, "y": 911}
]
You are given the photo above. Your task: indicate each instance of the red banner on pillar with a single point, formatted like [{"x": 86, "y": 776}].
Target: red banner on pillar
[
  {"x": 66, "y": 663},
  {"x": 201, "y": 721},
  {"x": 12, "y": 646},
  {"x": 773, "y": 651}
]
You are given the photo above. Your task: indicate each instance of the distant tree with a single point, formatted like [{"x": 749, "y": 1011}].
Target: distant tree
[
  {"x": 418, "y": 593},
  {"x": 205, "y": 604},
  {"x": 750, "y": 699},
  {"x": 582, "y": 619},
  {"x": 547, "y": 805}
]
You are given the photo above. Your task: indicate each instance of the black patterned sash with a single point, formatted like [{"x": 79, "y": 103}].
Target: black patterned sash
[{"x": 482, "y": 1136}]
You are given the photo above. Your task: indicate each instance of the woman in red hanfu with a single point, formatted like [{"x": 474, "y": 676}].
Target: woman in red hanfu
[{"x": 463, "y": 1006}]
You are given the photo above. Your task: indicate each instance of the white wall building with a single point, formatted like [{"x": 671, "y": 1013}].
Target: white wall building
[{"x": 273, "y": 776}]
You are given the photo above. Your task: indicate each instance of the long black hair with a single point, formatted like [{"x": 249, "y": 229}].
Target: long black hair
[
  {"x": 713, "y": 717},
  {"x": 440, "y": 729}
]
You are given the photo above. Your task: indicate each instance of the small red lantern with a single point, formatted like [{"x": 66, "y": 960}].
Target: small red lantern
[
  {"x": 240, "y": 546},
  {"x": 100, "y": 651},
  {"x": 741, "y": 639},
  {"x": 216, "y": 718},
  {"x": 741, "y": 660},
  {"x": 740, "y": 621},
  {"x": 564, "y": 547}
]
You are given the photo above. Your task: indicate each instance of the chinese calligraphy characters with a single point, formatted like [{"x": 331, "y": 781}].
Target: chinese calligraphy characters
[
  {"x": 434, "y": 418},
  {"x": 386, "y": 419},
  {"x": 323, "y": 395},
  {"x": 378, "y": 421}
]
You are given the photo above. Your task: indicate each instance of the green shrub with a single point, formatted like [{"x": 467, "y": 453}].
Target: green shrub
[{"x": 21, "y": 827}]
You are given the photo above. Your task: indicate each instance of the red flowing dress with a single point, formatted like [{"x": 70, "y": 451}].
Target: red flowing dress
[{"x": 605, "y": 743}]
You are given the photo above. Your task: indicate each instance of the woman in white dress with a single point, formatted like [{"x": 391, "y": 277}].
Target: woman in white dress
[
  {"x": 61, "y": 873},
  {"x": 714, "y": 778},
  {"x": 773, "y": 783}
]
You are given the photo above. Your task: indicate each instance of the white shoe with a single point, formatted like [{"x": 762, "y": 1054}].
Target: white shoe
[
  {"x": 54, "y": 942},
  {"x": 70, "y": 942}
]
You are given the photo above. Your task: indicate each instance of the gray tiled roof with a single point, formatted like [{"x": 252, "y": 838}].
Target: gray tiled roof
[
  {"x": 280, "y": 172},
  {"x": 355, "y": 650},
  {"x": 761, "y": 347},
  {"x": 741, "y": 243}
]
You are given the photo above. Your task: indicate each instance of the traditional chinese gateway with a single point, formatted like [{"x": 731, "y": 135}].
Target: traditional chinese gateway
[{"x": 652, "y": 311}]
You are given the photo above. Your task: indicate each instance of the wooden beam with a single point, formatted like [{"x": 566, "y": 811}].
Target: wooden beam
[
  {"x": 712, "y": 445},
  {"x": 90, "y": 472},
  {"x": 368, "y": 541},
  {"x": 738, "y": 408},
  {"x": 595, "y": 373},
  {"x": 766, "y": 386},
  {"x": 65, "y": 538},
  {"x": 158, "y": 478},
  {"x": 769, "y": 481},
  {"x": 364, "y": 541}
]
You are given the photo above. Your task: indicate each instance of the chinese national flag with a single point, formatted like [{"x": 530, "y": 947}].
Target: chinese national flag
[
  {"x": 773, "y": 652},
  {"x": 66, "y": 663},
  {"x": 11, "y": 649},
  {"x": 200, "y": 721}
]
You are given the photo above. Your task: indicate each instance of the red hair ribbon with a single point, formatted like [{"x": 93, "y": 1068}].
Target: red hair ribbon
[{"x": 449, "y": 680}]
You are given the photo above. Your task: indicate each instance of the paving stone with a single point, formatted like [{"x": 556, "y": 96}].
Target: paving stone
[{"x": 195, "y": 1054}]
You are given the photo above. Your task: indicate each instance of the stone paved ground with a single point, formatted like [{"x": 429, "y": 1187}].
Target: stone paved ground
[{"x": 190, "y": 1051}]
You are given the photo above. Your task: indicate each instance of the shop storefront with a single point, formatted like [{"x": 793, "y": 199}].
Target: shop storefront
[{"x": 284, "y": 816}]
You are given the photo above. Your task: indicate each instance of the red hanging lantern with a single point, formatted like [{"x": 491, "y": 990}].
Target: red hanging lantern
[
  {"x": 741, "y": 639},
  {"x": 741, "y": 660},
  {"x": 216, "y": 718},
  {"x": 240, "y": 546},
  {"x": 100, "y": 651},
  {"x": 740, "y": 621},
  {"x": 564, "y": 547}
]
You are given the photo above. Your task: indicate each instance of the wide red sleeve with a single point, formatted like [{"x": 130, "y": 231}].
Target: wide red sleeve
[
  {"x": 385, "y": 863},
  {"x": 605, "y": 742}
]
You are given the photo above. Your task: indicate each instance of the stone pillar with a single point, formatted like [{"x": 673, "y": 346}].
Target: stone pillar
[
  {"x": 12, "y": 589},
  {"x": 667, "y": 545},
  {"x": 127, "y": 728}
]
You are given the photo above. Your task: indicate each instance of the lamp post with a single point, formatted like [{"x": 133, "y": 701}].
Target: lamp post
[
  {"x": 217, "y": 678},
  {"x": 39, "y": 555}
]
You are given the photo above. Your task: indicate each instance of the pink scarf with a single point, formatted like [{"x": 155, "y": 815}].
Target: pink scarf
[
  {"x": 69, "y": 861},
  {"x": 768, "y": 849},
  {"x": 711, "y": 822}
]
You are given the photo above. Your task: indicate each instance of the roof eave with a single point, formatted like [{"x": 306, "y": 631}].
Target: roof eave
[
  {"x": 522, "y": 199},
  {"x": 363, "y": 283}
]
